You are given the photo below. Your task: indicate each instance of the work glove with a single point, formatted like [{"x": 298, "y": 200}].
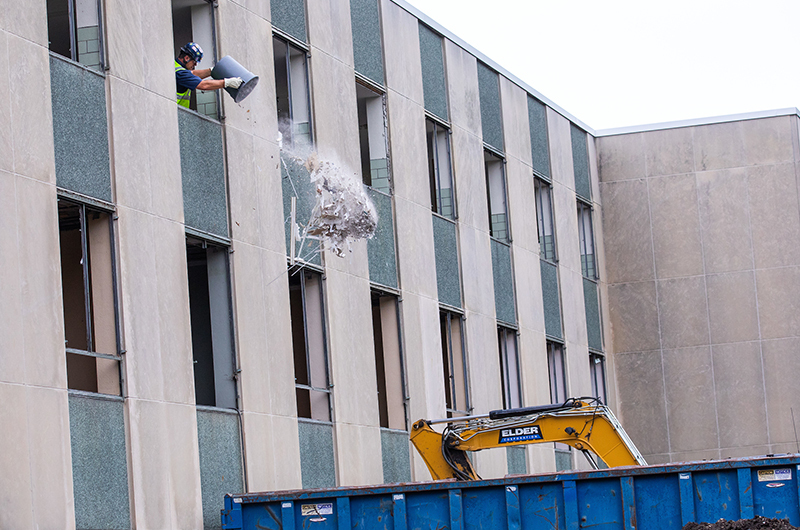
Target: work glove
[{"x": 233, "y": 82}]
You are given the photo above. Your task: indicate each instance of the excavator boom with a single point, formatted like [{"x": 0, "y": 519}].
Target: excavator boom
[{"x": 583, "y": 423}]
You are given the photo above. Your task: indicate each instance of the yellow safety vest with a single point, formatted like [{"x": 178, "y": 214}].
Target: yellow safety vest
[{"x": 185, "y": 96}]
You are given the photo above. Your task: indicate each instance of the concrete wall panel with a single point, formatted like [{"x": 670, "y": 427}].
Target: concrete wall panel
[
  {"x": 683, "y": 312},
  {"x": 626, "y": 226},
  {"x": 634, "y": 317},
  {"x": 462, "y": 84},
  {"x": 642, "y": 402},
  {"x": 669, "y": 152},
  {"x": 732, "y": 312},
  {"x": 358, "y": 456},
  {"x": 401, "y": 52},
  {"x": 774, "y": 215},
  {"x": 718, "y": 146},
  {"x": 560, "y": 136},
  {"x": 329, "y": 30},
  {"x": 409, "y": 163},
  {"x": 778, "y": 302},
  {"x": 675, "y": 226},
  {"x": 621, "y": 157}
]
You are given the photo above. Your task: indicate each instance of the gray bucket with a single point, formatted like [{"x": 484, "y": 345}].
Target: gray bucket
[{"x": 228, "y": 67}]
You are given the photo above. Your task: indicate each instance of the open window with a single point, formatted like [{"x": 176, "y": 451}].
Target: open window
[
  {"x": 88, "y": 279},
  {"x": 557, "y": 371},
  {"x": 439, "y": 169},
  {"x": 211, "y": 316},
  {"x": 509, "y": 366},
  {"x": 586, "y": 240},
  {"x": 291, "y": 88},
  {"x": 372, "y": 138},
  {"x": 388, "y": 361},
  {"x": 75, "y": 32},
  {"x": 544, "y": 219},
  {"x": 309, "y": 344},
  {"x": 597, "y": 373},
  {"x": 454, "y": 361},
  {"x": 193, "y": 21},
  {"x": 496, "y": 196}
]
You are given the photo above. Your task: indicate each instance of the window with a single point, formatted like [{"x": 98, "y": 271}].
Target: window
[
  {"x": 544, "y": 219},
  {"x": 586, "y": 236},
  {"x": 193, "y": 21},
  {"x": 439, "y": 170},
  {"x": 597, "y": 372},
  {"x": 291, "y": 87},
  {"x": 211, "y": 317},
  {"x": 496, "y": 195},
  {"x": 74, "y": 31},
  {"x": 309, "y": 344},
  {"x": 556, "y": 366},
  {"x": 91, "y": 316},
  {"x": 509, "y": 365},
  {"x": 455, "y": 364},
  {"x": 388, "y": 361},
  {"x": 372, "y": 138}
]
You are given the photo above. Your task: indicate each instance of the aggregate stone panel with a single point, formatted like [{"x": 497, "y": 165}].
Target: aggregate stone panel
[
  {"x": 691, "y": 401},
  {"x": 718, "y": 146},
  {"x": 627, "y": 235},
  {"x": 774, "y": 214},
  {"x": 778, "y": 302},
  {"x": 741, "y": 402},
  {"x": 669, "y": 152},
  {"x": 732, "y": 311},
  {"x": 725, "y": 220},
  {"x": 634, "y": 316},
  {"x": 768, "y": 140},
  {"x": 621, "y": 157},
  {"x": 676, "y": 226},
  {"x": 640, "y": 384},
  {"x": 782, "y": 384},
  {"x": 683, "y": 312}
]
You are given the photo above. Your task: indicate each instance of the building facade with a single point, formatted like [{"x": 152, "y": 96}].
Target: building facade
[{"x": 167, "y": 337}]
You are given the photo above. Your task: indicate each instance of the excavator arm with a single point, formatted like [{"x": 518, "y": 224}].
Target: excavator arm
[{"x": 583, "y": 423}]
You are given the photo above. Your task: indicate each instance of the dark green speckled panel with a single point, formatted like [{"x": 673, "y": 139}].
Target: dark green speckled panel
[
  {"x": 448, "y": 274},
  {"x": 503, "y": 283},
  {"x": 221, "y": 471},
  {"x": 205, "y": 205},
  {"x": 537, "y": 121},
  {"x": 491, "y": 118},
  {"x": 381, "y": 249},
  {"x": 580, "y": 162},
  {"x": 551, "y": 300},
  {"x": 290, "y": 16},
  {"x": 316, "y": 454},
  {"x": 80, "y": 129},
  {"x": 99, "y": 463},
  {"x": 591, "y": 302},
  {"x": 433, "y": 77},
  {"x": 516, "y": 460},
  {"x": 296, "y": 182},
  {"x": 396, "y": 458},
  {"x": 367, "y": 51}
]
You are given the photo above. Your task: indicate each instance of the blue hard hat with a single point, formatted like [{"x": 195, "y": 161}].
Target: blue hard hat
[{"x": 193, "y": 50}]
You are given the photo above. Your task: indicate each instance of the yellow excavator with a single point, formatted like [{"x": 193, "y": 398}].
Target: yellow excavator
[{"x": 583, "y": 423}]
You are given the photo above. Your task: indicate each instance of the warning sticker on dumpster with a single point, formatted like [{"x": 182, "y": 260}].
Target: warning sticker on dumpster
[
  {"x": 768, "y": 475},
  {"x": 317, "y": 509},
  {"x": 520, "y": 434}
]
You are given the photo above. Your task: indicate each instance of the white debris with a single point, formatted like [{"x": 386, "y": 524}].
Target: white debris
[{"x": 343, "y": 211}]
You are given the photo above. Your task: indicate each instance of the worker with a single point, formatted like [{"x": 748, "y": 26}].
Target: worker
[{"x": 188, "y": 77}]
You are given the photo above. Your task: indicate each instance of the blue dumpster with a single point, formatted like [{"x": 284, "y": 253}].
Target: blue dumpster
[{"x": 643, "y": 498}]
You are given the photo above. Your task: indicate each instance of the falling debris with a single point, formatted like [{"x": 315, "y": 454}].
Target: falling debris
[{"x": 343, "y": 212}]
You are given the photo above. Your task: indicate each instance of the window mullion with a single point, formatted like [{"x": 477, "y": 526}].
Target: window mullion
[{"x": 86, "y": 279}]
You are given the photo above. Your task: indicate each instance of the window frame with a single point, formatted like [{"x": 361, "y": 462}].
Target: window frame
[
  {"x": 586, "y": 216},
  {"x": 379, "y": 294},
  {"x": 507, "y": 385},
  {"x": 279, "y": 36},
  {"x": 496, "y": 158},
  {"x": 597, "y": 363},
  {"x": 380, "y": 92},
  {"x": 110, "y": 211},
  {"x": 435, "y": 167},
  {"x": 451, "y": 386},
  {"x": 73, "y": 37},
  {"x": 556, "y": 356},
  {"x": 542, "y": 223}
]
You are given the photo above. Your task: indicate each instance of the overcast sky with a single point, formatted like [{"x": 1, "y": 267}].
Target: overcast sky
[{"x": 614, "y": 63}]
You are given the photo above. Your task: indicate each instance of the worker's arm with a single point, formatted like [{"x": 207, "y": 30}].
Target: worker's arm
[
  {"x": 215, "y": 84},
  {"x": 211, "y": 84}
]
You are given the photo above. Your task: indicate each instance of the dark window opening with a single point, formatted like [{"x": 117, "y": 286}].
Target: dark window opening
[
  {"x": 496, "y": 196},
  {"x": 211, "y": 321},
  {"x": 439, "y": 169},
  {"x": 308, "y": 342},
  {"x": 509, "y": 366},
  {"x": 291, "y": 91},
  {"x": 586, "y": 241},
  {"x": 557, "y": 370},
  {"x": 388, "y": 361},
  {"x": 454, "y": 362},
  {"x": 597, "y": 373},
  {"x": 193, "y": 21},
  {"x": 88, "y": 279},
  {"x": 372, "y": 138},
  {"x": 74, "y": 31}
]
